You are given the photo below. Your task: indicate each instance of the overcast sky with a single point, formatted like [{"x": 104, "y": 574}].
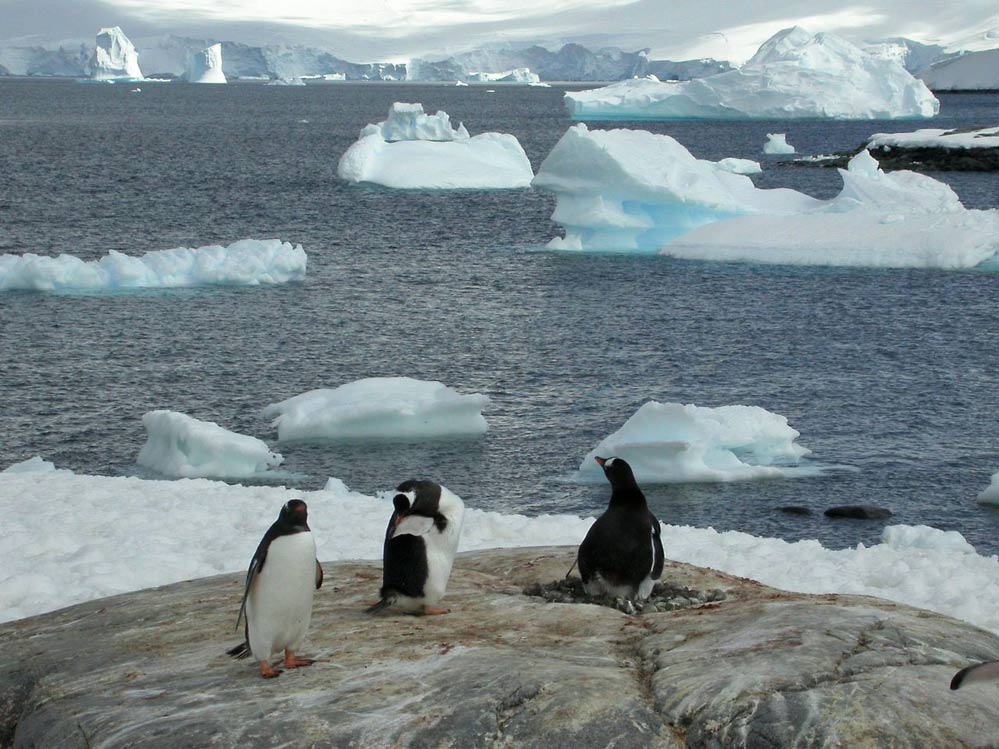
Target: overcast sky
[{"x": 367, "y": 30}]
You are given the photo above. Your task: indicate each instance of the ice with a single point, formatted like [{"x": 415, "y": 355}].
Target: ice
[
  {"x": 184, "y": 447},
  {"x": 205, "y": 66},
  {"x": 990, "y": 494},
  {"x": 248, "y": 262},
  {"x": 987, "y": 137},
  {"x": 793, "y": 75},
  {"x": 32, "y": 465},
  {"x": 114, "y": 57},
  {"x": 289, "y": 80},
  {"x": 413, "y": 150},
  {"x": 379, "y": 408},
  {"x": 968, "y": 71},
  {"x": 777, "y": 144},
  {"x": 633, "y": 191},
  {"x": 517, "y": 75},
  {"x": 740, "y": 166},
  {"x": 87, "y": 537},
  {"x": 668, "y": 443}
]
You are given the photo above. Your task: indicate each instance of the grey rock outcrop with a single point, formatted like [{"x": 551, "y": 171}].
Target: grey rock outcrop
[{"x": 762, "y": 668}]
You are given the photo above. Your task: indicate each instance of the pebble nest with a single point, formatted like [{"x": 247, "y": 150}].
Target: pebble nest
[{"x": 665, "y": 596}]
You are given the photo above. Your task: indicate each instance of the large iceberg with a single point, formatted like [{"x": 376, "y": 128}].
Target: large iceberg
[
  {"x": 248, "y": 262},
  {"x": 114, "y": 57},
  {"x": 205, "y": 66},
  {"x": 181, "y": 446},
  {"x": 793, "y": 75},
  {"x": 968, "y": 71},
  {"x": 668, "y": 443},
  {"x": 414, "y": 150},
  {"x": 633, "y": 191},
  {"x": 379, "y": 408}
]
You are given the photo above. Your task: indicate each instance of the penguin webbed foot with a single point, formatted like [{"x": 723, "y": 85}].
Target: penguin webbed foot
[
  {"x": 432, "y": 611},
  {"x": 267, "y": 671},
  {"x": 293, "y": 661}
]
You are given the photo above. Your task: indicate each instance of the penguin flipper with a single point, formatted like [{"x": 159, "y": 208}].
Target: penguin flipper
[
  {"x": 319, "y": 575},
  {"x": 987, "y": 671},
  {"x": 658, "y": 555},
  {"x": 251, "y": 575}
]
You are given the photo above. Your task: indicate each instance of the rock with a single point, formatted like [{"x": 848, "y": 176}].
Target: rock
[
  {"x": 862, "y": 512},
  {"x": 759, "y": 668}
]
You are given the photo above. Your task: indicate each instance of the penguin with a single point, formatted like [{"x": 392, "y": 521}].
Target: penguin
[
  {"x": 277, "y": 599},
  {"x": 622, "y": 554},
  {"x": 987, "y": 671},
  {"x": 420, "y": 543}
]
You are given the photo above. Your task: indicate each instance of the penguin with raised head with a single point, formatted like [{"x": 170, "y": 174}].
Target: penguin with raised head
[
  {"x": 987, "y": 671},
  {"x": 420, "y": 543},
  {"x": 622, "y": 554},
  {"x": 277, "y": 599}
]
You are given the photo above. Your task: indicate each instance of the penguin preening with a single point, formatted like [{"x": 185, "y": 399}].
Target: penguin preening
[
  {"x": 277, "y": 599},
  {"x": 622, "y": 554},
  {"x": 420, "y": 543},
  {"x": 987, "y": 671}
]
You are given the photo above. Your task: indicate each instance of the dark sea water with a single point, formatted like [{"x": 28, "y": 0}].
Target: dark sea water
[{"x": 892, "y": 372}]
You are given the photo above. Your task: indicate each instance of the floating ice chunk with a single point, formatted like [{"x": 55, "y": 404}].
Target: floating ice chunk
[
  {"x": 114, "y": 57},
  {"x": 990, "y": 494},
  {"x": 379, "y": 408},
  {"x": 777, "y": 145},
  {"x": 32, "y": 465},
  {"x": 205, "y": 66},
  {"x": 413, "y": 150},
  {"x": 740, "y": 166},
  {"x": 794, "y": 75},
  {"x": 669, "y": 443},
  {"x": 987, "y": 137},
  {"x": 248, "y": 262},
  {"x": 183, "y": 447}
]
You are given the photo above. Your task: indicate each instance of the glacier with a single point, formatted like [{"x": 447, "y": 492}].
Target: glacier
[
  {"x": 793, "y": 75},
  {"x": 205, "y": 66},
  {"x": 114, "y": 57},
  {"x": 376, "y": 408},
  {"x": 977, "y": 70},
  {"x": 633, "y": 191},
  {"x": 248, "y": 262},
  {"x": 181, "y": 446},
  {"x": 414, "y": 150},
  {"x": 667, "y": 443}
]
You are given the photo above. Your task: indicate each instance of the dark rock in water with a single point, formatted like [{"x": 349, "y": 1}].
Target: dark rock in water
[
  {"x": 922, "y": 159},
  {"x": 796, "y": 510},
  {"x": 760, "y": 668},
  {"x": 665, "y": 596},
  {"x": 862, "y": 512}
]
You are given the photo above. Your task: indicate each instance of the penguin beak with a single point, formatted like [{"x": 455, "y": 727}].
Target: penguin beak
[{"x": 600, "y": 461}]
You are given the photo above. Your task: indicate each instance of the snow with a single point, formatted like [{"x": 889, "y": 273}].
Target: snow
[
  {"x": 114, "y": 57},
  {"x": 184, "y": 447},
  {"x": 973, "y": 70},
  {"x": 205, "y": 66},
  {"x": 669, "y": 443},
  {"x": 413, "y": 150},
  {"x": 633, "y": 191},
  {"x": 793, "y": 75},
  {"x": 740, "y": 166},
  {"x": 248, "y": 262},
  {"x": 990, "y": 494},
  {"x": 777, "y": 145},
  {"x": 93, "y": 536},
  {"x": 379, "y": 408},
  {"x": 987, "y": 137}
]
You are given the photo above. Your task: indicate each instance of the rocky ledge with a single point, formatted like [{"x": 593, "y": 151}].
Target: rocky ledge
[{"x": 757, "y": 668}]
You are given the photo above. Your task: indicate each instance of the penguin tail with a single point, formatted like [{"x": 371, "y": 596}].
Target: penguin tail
[
  {"x": 240, "y": 651},
  {"x": 383, "y": 604}
]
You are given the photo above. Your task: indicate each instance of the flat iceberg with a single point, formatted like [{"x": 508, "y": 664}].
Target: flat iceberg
[
  {"x": 417, "y": 151},
  {"x": 248, "y": 262},
  {"x": 793, "y": 75},
  {"x": 668, "y": 443},
  {"x": 633, "y": 191},
  {"x": 205, "y": 66},
  {"x": 184, "y": 447},
  {"x": 114, "y": 57},
  {"x": 777, "y": 145},
  {"x": 990, "y": 494},
  {"x": 987, "y": 137},
  {"x": 379, "y": 408}
]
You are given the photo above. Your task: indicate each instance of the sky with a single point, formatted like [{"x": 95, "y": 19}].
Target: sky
[{"x": 394, "y": 30}]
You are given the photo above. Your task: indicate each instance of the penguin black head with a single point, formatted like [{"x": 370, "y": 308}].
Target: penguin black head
[
  {"x": 624, "y": 487},
  {"x": 423, "y": 495},
  {"x": 295, "y": 513}
]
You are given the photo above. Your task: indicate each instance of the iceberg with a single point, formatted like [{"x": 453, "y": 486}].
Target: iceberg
[
  {"x": 968, "y": 71},
  {"x": 248, "y": 262},
  {"x": 205, "y": 66},
  {"x": 518, "y": 75},
  {"x": 633, "y": 191},
  {"x": 990, "y": 494},
  {"x": 293, "y": 80},
  {"x": 379, "y": 408},
  {"x": 668, "y": 443},
  {"x": 777, "y": 145},
  {"x": 414, "y": 150},
  {"x": 114, "y": 57},
  {"x": 740, "y": 166},
  {"x": 184, "y": 447},
  {"x": 793, "y": 75}
]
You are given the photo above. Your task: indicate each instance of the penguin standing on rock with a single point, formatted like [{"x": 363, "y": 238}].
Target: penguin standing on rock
[
  {"x": 622, "y": 554},
  {"x": 277, "y": 600},
  {"x": 420, "y": 543}
]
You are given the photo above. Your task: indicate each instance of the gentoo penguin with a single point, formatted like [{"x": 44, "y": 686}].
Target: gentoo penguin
[
  {"x": 277, "y": 600},
  {"x": 622, "y": 553},
  {"x": 420, "y": 543},
  {"x": 987, "y": 671}
]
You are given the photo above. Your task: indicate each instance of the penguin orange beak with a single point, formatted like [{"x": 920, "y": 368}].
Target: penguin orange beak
[{"x": 600, "y": 461}]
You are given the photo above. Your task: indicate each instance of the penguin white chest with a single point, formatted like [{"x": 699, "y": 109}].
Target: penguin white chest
[{"x": 279, "y": 605}]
